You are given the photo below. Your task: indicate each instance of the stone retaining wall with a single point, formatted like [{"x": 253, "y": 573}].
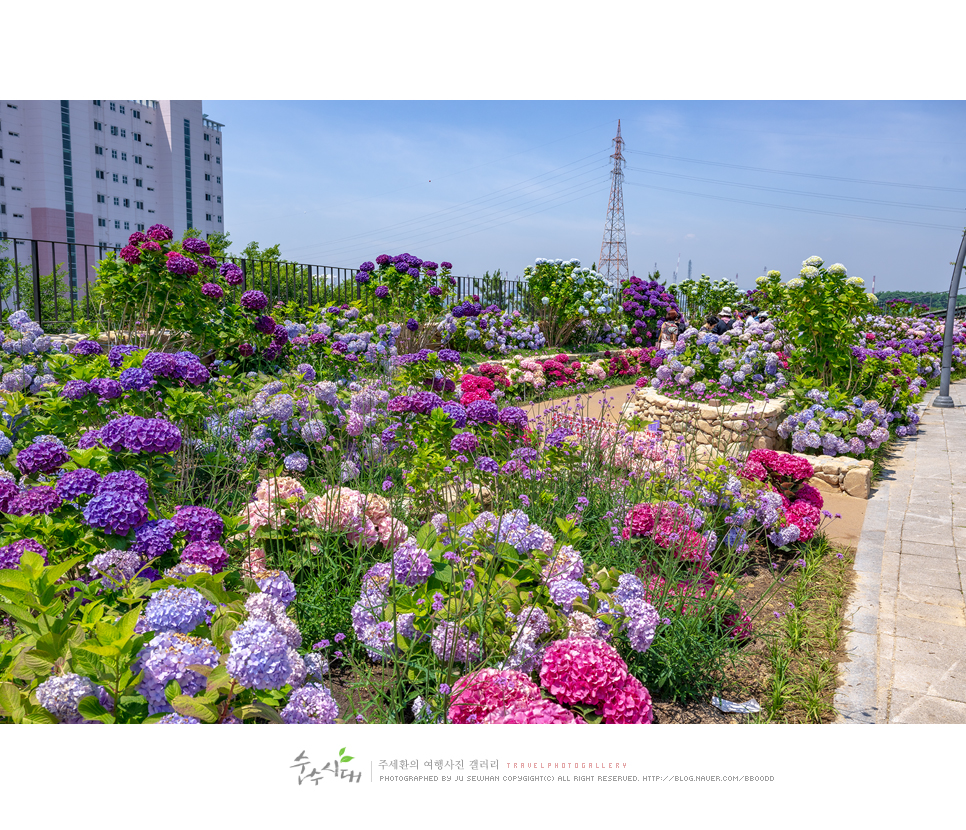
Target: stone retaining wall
[
  {"x": 712, "y": 431},
  {"x": 841, "y": 474}
]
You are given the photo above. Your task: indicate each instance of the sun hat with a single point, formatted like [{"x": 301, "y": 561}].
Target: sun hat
[{"x": 725, "y": 312}]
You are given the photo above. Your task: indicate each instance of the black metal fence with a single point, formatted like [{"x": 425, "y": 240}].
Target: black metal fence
[{"x": 53, "y": 282}]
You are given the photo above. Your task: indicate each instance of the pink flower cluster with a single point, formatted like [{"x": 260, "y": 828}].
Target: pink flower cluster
[
  {"x": 360, "y": 516},
  {"x": 475, "y": 388},
  {"x": 489, "y": 691},
  {"x": 782, "y": 465},
  {"x": 788, "y": 475},
  {"x": 582, "y": 670},
  {"x": 670, "y": 526}
]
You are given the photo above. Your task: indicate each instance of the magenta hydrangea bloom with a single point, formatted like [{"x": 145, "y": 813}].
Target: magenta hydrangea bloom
[
  {"x": 631, "y": 703},
  {"x": 130, "y": 254},
  {"x": 205, "y": 553},
  {"x": 582, "y": 670},
  {"x": 210, "y": 289},
  {"x": 160, "y": 232},
  {"x": 232, "y": 274},
  {"x": 199, "y": 524},
  {"x": 196, "y": 246},
  {"x": 179, "y": 264},
  {"x": 137, "y": 238},
  {"x": 246, "y": 350},
  {"x": 480, "y": 693},
  {"x": 533, "y": 711},
  {"x": 254, "y": 300}
]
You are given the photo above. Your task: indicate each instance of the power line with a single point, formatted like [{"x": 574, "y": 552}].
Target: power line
[
  {"x": 797, "y": 192},
  {"x": 805, "y": 175},
  {"x": 799, "y": 209}
]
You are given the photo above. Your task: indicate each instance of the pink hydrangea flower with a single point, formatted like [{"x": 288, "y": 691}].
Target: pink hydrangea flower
[
  {"x": 581, "y": 670},
  {"x": 480, "y": 693},
  {"x": 631, "y": 703},
  {"x": 534, "y": 711}
]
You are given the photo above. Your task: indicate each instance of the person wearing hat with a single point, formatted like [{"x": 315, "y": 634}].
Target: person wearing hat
[{"x": 724, "y": 321}]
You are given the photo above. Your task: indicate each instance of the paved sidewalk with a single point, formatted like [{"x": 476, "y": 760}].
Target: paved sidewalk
[{"x": 907, "y": 616}]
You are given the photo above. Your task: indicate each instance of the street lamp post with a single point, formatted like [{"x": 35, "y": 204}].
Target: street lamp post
[{"x": 943, "y": 399}]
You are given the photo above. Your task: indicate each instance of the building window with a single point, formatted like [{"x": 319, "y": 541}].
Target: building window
[
  {"x": 98, "y": 151},
  {"x": 140, "y": 183},
  {"x": 150, "y": 211},
  {"x": 114, "y": 175},
  {"x": 113, "y": 154},
  {"x": 217, "y": 139},
  {"x": 123, "y": 156},
  {"x": 207, "y": 197},
  {"x": 117, "y": 224},
  {"x": 139, "y": 227},
  {"x": 127, "y": 226},
  {"x": 102, "y": 223},
  {"x": 207, "y": 156},
  {"x": 18, "y": 216},
  {"x": 218, "y": 179},
  {"x": 13, "y": 134},
  {"x": 137, "y": 160},
  {"x": 136, "y": 113},
  {"x": 117, "y": 201},
  {"x": 1, "y": 181},
  {"x": 12, "y": 106},
  {"x": 122, "y": 109},
  {"x": 15, "y": 161},
  {"x": 124, "y": 179},
  {"x": 97, "y": 103},
  {"x": 113, "y": 107},
  {"x": 98, "y": 125},
  {"x": 127, "y": 203},
  {"x": 12, "y": 188},
  {"x": 150, "y": 188},
  {"x": 100, "y": 198},
  {"x": 113, "y": 130},
  {"x": 3, "y": 208},
  {"x": 218, "y": 199},
  {"x": 207, "y": 137},
  {"x": 139, "y": 205},
  {"x": 208, "y": 217},
  {"x": 98, "y": 174},
  {"x": 219, "y": 219},
  {"x": 137, "y": 137},
  {"x": 123, "y": 133},
  {"x": 207, "y": 177},
  {"x": 217, "y": 159}
]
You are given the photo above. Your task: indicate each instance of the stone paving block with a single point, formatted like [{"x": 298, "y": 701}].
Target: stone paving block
[
  {"x": 949, "y": 597},
  {"x": 855, "y": 699},
  {"x": 935, "y": 534},
  {"x": 910, "y": 707},
  {"x": 929, "y": 551},
  {"x": 937, "y": 576},
  {"x": 919, "y": 653},
  {"x": 949, "y": 683},
  {"x": 889, "y": 573},
  {"x": 931, "y": 632},
  {"x": 931, "y": 513},
  {"x": 868, "y": 553},
  {"x": 946, "y": 614}
]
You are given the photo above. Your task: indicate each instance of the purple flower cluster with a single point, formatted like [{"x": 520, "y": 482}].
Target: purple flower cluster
[
  {"x": 154, "y": 538},
  {"x": 645, "y": 306},
  {"x": 411, "y": 564},
  {"x": 137, "y": 435},
  {"x": 76, "y": 483},
  {"x": 254, "y": 300},
  {"x": 196, "y": 246},
  {"x": 181, "y": 265},
  {"x": 259, "y": 657},
  {"x": 310, "y": 704},
  {"x": 210, "y": 554},
  {"x": 42, "y": 457},
  {"x": 61, "y": 694},
  {"x": 231, "y": 273},
  {"x": 177, "y": 609},
  {"x": 198, "y": 524},
  {"x": 10, "y": 555},
  {"x": 86, "y": 348},
  {"x": 167, "y": 658},
  {"x": 160, "y": 233},
  {"x": 116, "y": 513}
]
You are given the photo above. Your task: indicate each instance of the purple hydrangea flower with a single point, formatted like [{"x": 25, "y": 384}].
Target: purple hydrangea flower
[
  {"x": 382, "y": 291},
  {"x": 167, "y": 658},
  {"x": 464, "y": 443},
  {"x": 42, "y": 457},
  {"x": 87, "y": 347},
  {"x": 232, "y": 274},
  {"x": 297, "y": 462},
  {"x": 254, "y": 300},
  {"x": 213, "y": 290},
  {"x": 106, "y": 389},
  {"x": 210, "y": 554},
  {"x": 161, "y": 233},
  {"x": 177, "y": 609},
  {"x": 125, "y": 481},
  {"x": 136, "y": 379},
  {"x": 482, "y": 412},
  {"x": 35, "y": 501},
  {"x": 61, "y": 694},
  {"x": 75, "y": 483},
  {"x": 196, "y": 246},
  {"x": 154, "y": 538},
  {"x": 310, "y": 704},
  {"x": 116, "y": 513},
  {"x": 513, "y": 416},
  {"x": 182, "y": 265},
  {"x": 412, "y": 324},
  {"x": 74, "y": 390},
  {"x": 564, "y": 592},
  {"x": 450, "y": 641},
  {"x": 115, "y": 567},
  {"x": 485, "y": 464},
  {"x": 456, "y": 412},
  {"x": 260, "y": 656},
  {"x": 10, "y": 555},
  {"x": 199, "y": 524},
  {"x": 411, "y": 564},
  {"x": 276, "y": 584},
  {"x": 425, "y": 402}
]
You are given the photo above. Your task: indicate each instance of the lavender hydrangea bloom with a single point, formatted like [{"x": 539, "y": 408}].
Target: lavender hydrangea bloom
[
  {"x": 482, "y": 412},
  {"x": 297, "y": 462},
  {"x": 35, "y": 501},
  {"x": 175, "y": 718},
  {"x": 209, "y": 554},
  {"x": 74, "y": 390},
  {"x": 457, "y": 413},
  {"x": 276, "y": 584},
  {"x": 266, "y": 607},
  {"x": 513, "y": 416},
  {"x": 10, "y": 555},
  {"x": 75, "y": 483},
  {"x": 116, "y": 355},
  {"x": 136, "y": 379},
  {"x": 115, "y": 567},
  {"x": 564, "y": 592},
  {"x": 485, "y": 464},
  {"x": 641, "y": 623},
  {"x": 87, "y": 348},
  {"x": 167, "y": 658},
  {"x": 450, "y": 641},
  {"x": 106, "y": 389},
  {"x": 411, "y": 564},
  {"x": 311, "y": 704},
  {"x": 464, "y": 443},
  {"x": 259, "y": 657},
  {"x": 177, "y": 609},
  {"x": 61, "y": 694}
]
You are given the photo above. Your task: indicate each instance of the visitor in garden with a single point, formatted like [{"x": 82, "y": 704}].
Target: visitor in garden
[
  {"x": 669, "y": 331},
  {"x": 709, "y": 323},
  {"x": 724, "y": 321}
]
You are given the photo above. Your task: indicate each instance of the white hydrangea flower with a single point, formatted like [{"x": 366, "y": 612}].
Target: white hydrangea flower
[
  {"x": 855, "y": 281},
  {"x": 809, "y": 272},
  {"x": 774, "y": 274},
  {"x": 873, "y": 298},
  {"x": 814, "y": 261},
  {"x": 838, "y": 269},
  {"x": 796, "y": 282},
  {"x": 761, "y": 280}
]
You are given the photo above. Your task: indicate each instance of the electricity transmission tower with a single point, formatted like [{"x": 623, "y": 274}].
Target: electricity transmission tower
[{"x": 613, "y": 250}]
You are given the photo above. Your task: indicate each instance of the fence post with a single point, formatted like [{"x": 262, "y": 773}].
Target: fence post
[
  {"x": 943, "y": 399},
  {"x": 35, "y": 272}
]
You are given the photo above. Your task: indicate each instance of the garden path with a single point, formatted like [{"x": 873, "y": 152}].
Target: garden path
[{"x": 906, "y": 620}]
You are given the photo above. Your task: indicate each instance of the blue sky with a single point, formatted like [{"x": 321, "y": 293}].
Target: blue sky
[{"x": 495, "y": 184}]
